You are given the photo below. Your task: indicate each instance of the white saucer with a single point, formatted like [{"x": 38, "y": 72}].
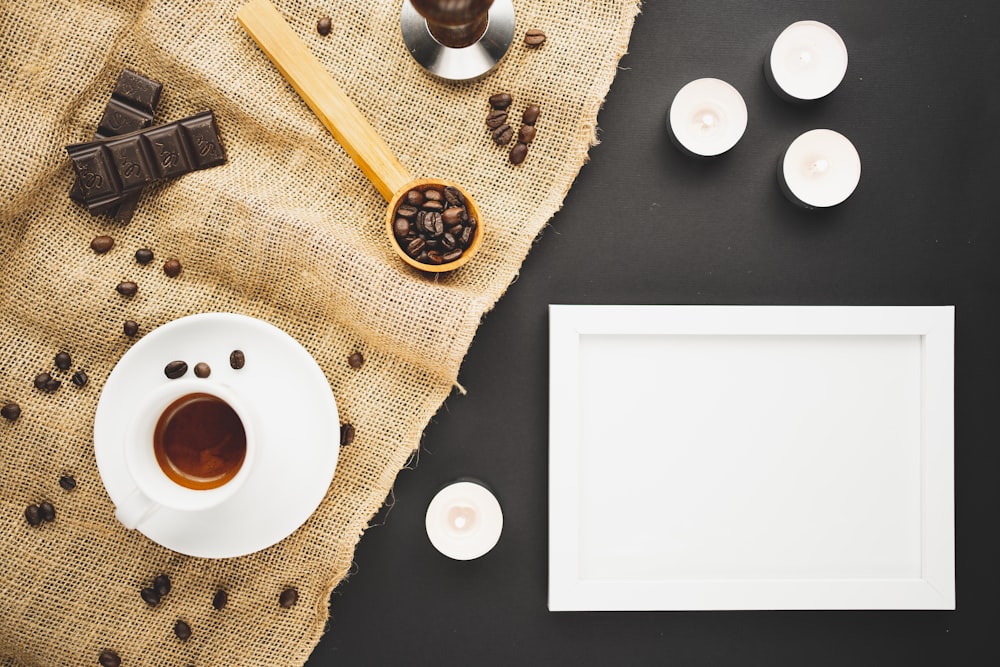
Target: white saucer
[{"x": 296, "y": 422}]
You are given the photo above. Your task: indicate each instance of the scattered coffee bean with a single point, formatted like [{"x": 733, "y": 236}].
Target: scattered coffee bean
[
  {"x": 63, "y": 361},
  {"x": 323, "y": 26},
  {"x": 10, "y": 411},
  {"x": 172, "y": 268},
  {"x": 102, "y": 244},
  {"x": 237, "y": 359},
  {"x": 32, "y": 515},
  {"x": 162, "y": 584},
  {"x": 288, "y": 598},
  {"x": 220, "y": 600},
  {"x": 534, "y": 38},
  {"x": 131, "y": 328},
  {"x": 202, "y": 370},
  {"x": 496, "y": 118},
  {"x": 127, "y": 288},
  {"x": 109, "y": 658},
  {"x": 530, "y": 115},
  {"x": 79, "y": 378},
  {"x": 346, "y": 434},
  {"x": 502, "y": 135},
  {"x": 500, "y": 100},
  {"x": 52, "y": 384},
  {"x": 144, "y": 255},
  {"x": 67, "y": 482},
  {"x": 518, "y": 153},
  {"x": 420, "y": 228},
  {"x": 150, "y": 596},
  {"x": 41, "y": 380},
  {"x": 526, "y": 134},
  {"x": 46, "y": 511},
  {"x": 182, "y": 630},
  {"x": 175, "y": 369},
  {"x": 356, "y": 360}
]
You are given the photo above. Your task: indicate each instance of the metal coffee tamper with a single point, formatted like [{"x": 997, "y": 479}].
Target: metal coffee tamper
[{"x": 458, "y": 40}]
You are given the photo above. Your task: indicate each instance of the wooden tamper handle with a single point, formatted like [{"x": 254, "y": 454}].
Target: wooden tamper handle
[{"x": 455, "y": 23}]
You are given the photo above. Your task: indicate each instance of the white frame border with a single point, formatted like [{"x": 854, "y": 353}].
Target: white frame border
[{"x": 934, "y": 589}]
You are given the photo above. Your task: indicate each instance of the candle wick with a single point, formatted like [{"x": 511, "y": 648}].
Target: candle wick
[{"x": 819, "y": 167}]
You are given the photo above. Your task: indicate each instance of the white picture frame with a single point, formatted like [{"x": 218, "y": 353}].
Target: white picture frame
[{"x": 751, "y": 457}]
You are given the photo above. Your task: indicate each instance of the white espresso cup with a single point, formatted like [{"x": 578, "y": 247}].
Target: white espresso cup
[{"x": 154, "y": 489}]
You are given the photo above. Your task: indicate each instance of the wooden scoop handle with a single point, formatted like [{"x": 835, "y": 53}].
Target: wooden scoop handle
[{"x": 313, "y": 83}]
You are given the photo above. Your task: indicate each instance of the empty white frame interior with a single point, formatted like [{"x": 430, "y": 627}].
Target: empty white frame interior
[{"x": 751, "y": 457}]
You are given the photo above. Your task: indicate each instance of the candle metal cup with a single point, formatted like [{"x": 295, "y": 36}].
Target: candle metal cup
[
  {"x": 707, "y": 117},
  {"x": 820, "y": 169},
  {"x": 346, "y": 123},
  {"x": 464, "y": 520},
  {"x": 807, "y": 62},
  {"x": 458, "y": 41}
]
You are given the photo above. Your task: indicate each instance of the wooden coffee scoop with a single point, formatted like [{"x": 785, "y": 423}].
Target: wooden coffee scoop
[{"x": 347, "y": 124}]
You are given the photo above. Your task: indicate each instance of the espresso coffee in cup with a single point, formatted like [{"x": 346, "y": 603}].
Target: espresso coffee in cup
[
  {"x": 189, "y": 448},
  {"x": 199, "y": 441}
]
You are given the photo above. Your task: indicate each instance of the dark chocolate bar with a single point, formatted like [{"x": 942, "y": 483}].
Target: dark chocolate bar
[
  {"x": 131, "y": 107},
  {"x": 111, "y": 170}
]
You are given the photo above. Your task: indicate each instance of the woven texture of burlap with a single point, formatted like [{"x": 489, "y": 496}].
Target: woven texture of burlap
[{"x": 289, "y": 231}]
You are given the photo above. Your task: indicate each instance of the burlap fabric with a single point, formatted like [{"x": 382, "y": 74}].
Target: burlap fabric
[{"x": 288, "y": 231}]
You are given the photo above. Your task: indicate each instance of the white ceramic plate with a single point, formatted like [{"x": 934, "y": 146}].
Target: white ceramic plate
[{"x": 295, "y": 419}]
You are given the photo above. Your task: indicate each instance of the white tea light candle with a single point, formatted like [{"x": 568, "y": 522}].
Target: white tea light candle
[
  {"x": 464, "y": 520},
  {"x": 821, "y": 168},
  {"x": 707, "y": 117},
  {"x": 807, "y": 62}
]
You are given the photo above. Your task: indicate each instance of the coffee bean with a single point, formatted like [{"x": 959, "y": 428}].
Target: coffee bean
[
  {"x": 237, "y": 359},
  {"x": 346, "y": 434},
  {"x": 454, "y": 196},
  {"x": 79, "y": 378},
  {"x": 452, "y": 216},
  {"x": 530, "y": 115},
  {"x": 10, "y": 411},
  {"x": 175, "y": 369},
  {"x": 466, "y": 238},
  {"x": 144, "y": 255},
  {"x": 52, "y": 384},
  {"x": 67, "y": 482},
  {"x": 323, "y": 26},
  {"x": 172, "y": 268},
  {"x": 414, "y": 197},
  {"x": 131, "y": 328},
  {"x": 401, "y": 227},
  {"x": 46, "y": 511},
  {"x": 502, "y": 135},
  {"x": 433, "y": 206},
  {"x": 150, "y": 596},
  {"x": 63, "y": 361},
  {"x": 526, "y": 134},
  {"x": 496, "y": 118},
  {"x": 32, "y": 515},
  {"x": 220, "y": 600},
  {"x": 435, "y": 224},
  {"x": 434, "y": 257},
  {"x": 456, "y": 230},
  {"x": 534, "y": 38},
  {"x": 41, "y": 379},
  {"x": 182, "y": 630},
  {"x": 127, "y": 288},
  {"x": 433, "y": 195},
  {"x": 102, "y": 244},
  {"x": 406, "y": 211},
  {"x": 452, "y": 255},
  {"x": 448, "y": 241},
  {"x": 162, "y": 584},
  {"x": 414, "y": 247},
  {"x": 518, "y": 153},
  {"x": 202, "y": 370},
  {"x": 500, "y": 101},
  {"x": 288, "y": 598},
  {"x": 109, "y": 658},
  {"x": 356, "y": 360}
]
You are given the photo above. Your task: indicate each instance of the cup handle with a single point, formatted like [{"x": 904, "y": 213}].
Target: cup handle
[{"x": 134, "y": 509}]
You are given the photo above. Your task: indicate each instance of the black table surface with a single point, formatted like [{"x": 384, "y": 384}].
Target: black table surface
[{"x": 644, "y": 224}]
